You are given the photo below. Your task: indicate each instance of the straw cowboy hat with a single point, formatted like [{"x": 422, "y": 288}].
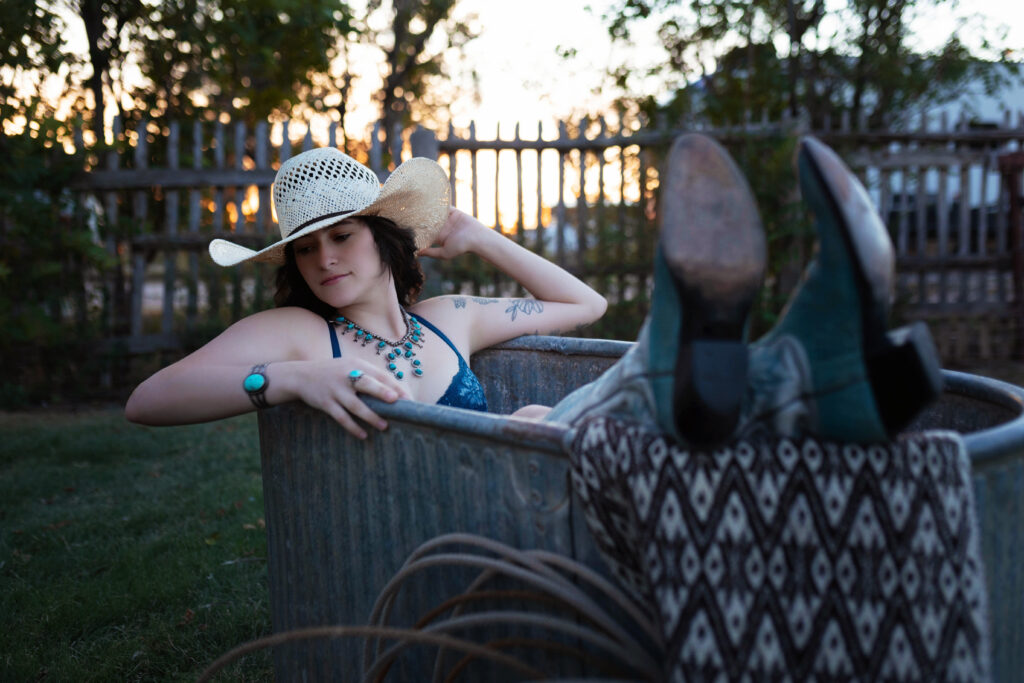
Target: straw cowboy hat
[{"x": 323, "y": 186}]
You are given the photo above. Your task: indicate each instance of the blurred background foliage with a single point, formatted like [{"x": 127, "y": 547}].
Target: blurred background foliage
[
  {"x": 48, "y": 255},
  {"x": 716, "y": 62},
  {"x": 724, "y": 61}
]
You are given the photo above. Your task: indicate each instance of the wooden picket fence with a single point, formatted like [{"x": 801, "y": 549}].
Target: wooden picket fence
[{"x": 585, "y": 197}]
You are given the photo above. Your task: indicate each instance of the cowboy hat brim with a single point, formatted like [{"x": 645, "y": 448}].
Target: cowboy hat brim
[{"x": 416, "y": 196}]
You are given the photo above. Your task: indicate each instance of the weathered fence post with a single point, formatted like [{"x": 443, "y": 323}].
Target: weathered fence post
[
  {"x": 140, "y": 209},
  {"x": 1011, "y": 166},
  {"x": 377, "y": 153},
  {"x": 425, "y": 144}
]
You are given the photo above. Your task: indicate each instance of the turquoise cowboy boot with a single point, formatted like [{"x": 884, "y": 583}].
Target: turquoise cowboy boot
[
  {"x": 864, "y": 383},
  {"x": 708, "y": 268}
]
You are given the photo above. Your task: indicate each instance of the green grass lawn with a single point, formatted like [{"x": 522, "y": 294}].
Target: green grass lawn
[{"x": 129, "y": 553}]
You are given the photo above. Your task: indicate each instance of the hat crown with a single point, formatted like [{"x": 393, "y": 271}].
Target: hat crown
[{"x": 318, "y": 184}]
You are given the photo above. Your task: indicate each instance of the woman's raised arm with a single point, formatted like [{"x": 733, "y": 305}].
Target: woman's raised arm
[
  {"x": 207, "y": 384},
  {"x": 561, "y": 302}
]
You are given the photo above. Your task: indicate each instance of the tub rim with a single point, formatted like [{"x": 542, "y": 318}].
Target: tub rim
[
  {"x": 1002, "y": 440},
  {"x": 1006, "y": 438}
]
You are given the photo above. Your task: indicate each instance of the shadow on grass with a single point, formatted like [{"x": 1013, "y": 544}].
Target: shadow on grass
[{"x": 129, "y": 553}]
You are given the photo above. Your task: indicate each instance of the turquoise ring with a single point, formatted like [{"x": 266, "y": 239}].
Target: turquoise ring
[{"x": 355, "y": 376}]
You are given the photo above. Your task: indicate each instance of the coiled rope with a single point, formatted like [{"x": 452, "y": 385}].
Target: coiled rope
[{"x": 552, "y": 582}]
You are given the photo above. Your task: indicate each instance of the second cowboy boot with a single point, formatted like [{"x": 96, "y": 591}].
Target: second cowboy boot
[{"x": 864, "y": 383}]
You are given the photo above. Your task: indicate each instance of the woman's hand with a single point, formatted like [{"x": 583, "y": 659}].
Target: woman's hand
[
  {"x": 561, "y": 301},
  {"x": 459, "y": 235},
  {"x": 328, "y": 386}
]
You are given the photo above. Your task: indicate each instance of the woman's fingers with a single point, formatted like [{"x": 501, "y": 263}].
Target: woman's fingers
[
  {"x": 347, "y": 405},
  {"x": 355, "y": 406},
  {"x": 379, "y": 384},
  {"x": 342, "y": 417}
]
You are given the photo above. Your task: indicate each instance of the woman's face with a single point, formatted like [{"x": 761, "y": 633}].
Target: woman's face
[{"x": 341, "y": 263}]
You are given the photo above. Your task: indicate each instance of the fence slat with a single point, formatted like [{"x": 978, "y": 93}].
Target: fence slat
[
  {"x": 984, "y": 220},
  {"x": 238, "y": 227},
  {"x": 599, "y": 217},
  {"x": 453, "y": 169},
  {"x": 627, "y": 236},
  {"x": 113, "y": 312},
  {"x": 140, "y": 210},
  {"x": 261, "y": 154},
  {"x": 194, "y": 216},
  {"x": 560, "y": 211},
  {"x": 520, "y": 228},
  {"x": 170, "y": 228},
  {"x": 539, "y": 234},
  {"x": 473, "y": 169},
  {"x": 217, "y": 221},
  {"x": 942, "y": 208},
  {"x": 581, "y": 202}
]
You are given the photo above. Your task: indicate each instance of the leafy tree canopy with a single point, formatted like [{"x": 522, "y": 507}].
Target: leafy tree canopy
[
  {"x": 729, "y": 58},
  {"x": 255, "y": 58}
]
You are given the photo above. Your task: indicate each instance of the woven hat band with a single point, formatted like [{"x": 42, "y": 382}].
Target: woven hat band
[{"x": 311, "y": 221}]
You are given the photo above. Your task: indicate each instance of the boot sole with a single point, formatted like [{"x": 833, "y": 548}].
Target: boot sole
[
  {"x": 902, "y": 366},
  {"x": 714, "y": 246}
]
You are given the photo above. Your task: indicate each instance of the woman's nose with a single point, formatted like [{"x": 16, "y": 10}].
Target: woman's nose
[{"x": 328, "y": 257}]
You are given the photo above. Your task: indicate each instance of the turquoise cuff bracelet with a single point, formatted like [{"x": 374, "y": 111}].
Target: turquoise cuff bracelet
[{"x": 255, "y": 385}]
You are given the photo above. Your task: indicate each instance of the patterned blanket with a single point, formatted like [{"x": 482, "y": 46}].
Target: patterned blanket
[{"x": 785, "y": 559}]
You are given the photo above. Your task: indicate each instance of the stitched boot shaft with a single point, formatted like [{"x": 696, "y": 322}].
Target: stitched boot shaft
[
  {"x": 623, "y": 390},
  {"x": 660, "y": 352}
]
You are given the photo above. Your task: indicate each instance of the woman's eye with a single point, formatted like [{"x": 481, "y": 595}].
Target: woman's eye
[
  {"x": 341, "y": 237},
  {"x": 303, "y": 250}
]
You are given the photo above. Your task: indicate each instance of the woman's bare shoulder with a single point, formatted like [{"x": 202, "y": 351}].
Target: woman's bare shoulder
[
  {"x": 436, "y": 306},
  {"x": 286, "y": 315},
  {"x": 279, "y": 322},
  {"x": 445, "y": 312},
  {"x": 288, "y": 332}
]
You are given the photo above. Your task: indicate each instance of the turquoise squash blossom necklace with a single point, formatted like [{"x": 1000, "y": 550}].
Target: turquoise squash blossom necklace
[{"x": 393, "y": 351}]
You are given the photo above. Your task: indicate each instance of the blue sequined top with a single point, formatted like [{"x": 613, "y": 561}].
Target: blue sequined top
[{"x": 464, "y": 391}]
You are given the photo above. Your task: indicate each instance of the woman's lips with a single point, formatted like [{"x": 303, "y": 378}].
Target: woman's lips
[{"x": 331, "y": 280}]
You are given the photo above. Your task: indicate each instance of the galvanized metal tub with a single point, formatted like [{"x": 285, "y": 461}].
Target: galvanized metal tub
[{"x": 343, "y": 515}]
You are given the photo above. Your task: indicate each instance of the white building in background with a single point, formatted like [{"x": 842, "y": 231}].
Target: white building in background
[{"x": 971, "y": 106}]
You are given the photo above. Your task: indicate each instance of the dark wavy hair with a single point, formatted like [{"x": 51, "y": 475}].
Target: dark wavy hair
[{"x": 397, "y": 249}]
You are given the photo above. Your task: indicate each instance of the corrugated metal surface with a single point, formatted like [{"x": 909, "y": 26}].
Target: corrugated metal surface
[
  {"x": 343, "y": 515},
  {"x": 999, "y": 490}
]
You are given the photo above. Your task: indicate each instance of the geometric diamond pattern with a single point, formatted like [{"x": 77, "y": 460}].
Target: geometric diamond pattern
[{"x": 793, "y": 559}]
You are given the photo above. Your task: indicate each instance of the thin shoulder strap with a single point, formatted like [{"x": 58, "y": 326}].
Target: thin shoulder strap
[
  {"x": 440, "y": 334},
  {"x": 335, "y": 346}
]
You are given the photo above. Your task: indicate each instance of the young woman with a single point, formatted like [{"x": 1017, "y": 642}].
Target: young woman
[
  {"x": 347, "y": 320},
  {"x": 830, "y": 367}
]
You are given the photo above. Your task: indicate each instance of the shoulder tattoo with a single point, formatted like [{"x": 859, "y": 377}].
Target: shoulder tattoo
[{"x": 460, "y": 301}]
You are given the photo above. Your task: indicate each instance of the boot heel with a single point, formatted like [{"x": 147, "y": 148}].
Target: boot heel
[
  {"x": 708, "y": 401},
  {"x": 905, "y": 376}
]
